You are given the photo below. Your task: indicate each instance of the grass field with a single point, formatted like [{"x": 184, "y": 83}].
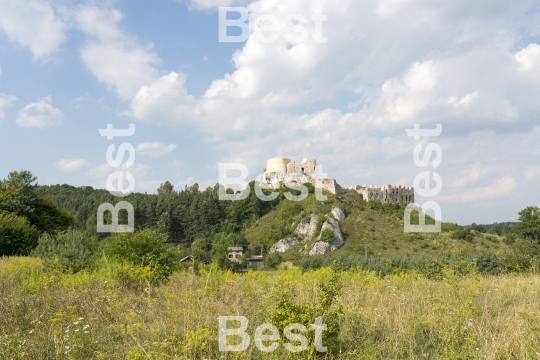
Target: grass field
[{"x": 95, "y": 315}]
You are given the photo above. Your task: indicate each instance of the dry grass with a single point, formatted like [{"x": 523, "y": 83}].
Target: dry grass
[{"x": 91, "y": 315}]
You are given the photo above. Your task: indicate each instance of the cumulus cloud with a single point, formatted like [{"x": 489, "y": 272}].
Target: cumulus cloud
[
  {"x": 154, "y": 149},
  {"x": 166, "y": 100},
  {"x": 40, "y": 114},
  {"x": 112, "y": 55},
  {"x": 33, "y": 24},
  {"x": 387, "y": 65},
  {"x": 69, "y": 165}
]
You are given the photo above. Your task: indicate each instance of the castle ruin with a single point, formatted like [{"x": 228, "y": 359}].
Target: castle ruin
[
  {"x": 280, "y": 171},
  {"x": 390, "y": 194}
]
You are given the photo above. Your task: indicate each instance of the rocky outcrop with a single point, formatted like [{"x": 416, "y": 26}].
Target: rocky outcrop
[
  {"x": 284, "y": 244},
  {"x": 322, "y": 247},
  {"x": 338, "y": 214},
  {"x": 302, "y": 234},
  {"x": 307, "y": 230}
]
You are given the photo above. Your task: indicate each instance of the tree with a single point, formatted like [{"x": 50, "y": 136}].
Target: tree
[
  {"x": 69, "y": 251},
  {"x": 17, "y": 235},
  {"x": 200, "y": 249},
  {"x": 529, "y": 223},
  {"x": 477, "y": 227},
  {"x": 164, "y": 224},
  {"x": 165, "y": 189},
  {"x": 273, "y": 260},
  {"x": 21, "y": 197}
]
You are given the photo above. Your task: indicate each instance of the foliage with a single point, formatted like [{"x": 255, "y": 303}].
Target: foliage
[
  {"x": 165, "y": 189},
  {"x": 499, "y": 229},
  {"x": 325, "y": 306},
  {"x": 327, "y": 235},
  {"x": 18, "y": 196},
  {"x": 200, "y": 249},
  {"x": 69, "y": 251},
  {"x": 529, "y": 223},
  {"x": 463, "y": 234},
  {"x": 522, "y": 256},
  {"x": 488, "y": 262},
  {"x": 145, "y": 248},
  {"x": 49, "y": 218},
  {"x": 509, "y": 238},
  {"x": 477, "y": 227},
  {"x": 164, "y": 224},
  {"x": 17, "y": 235},
  {"x": 194, "y": 213},
  {"x": 220, "y": 245},
  {"x": 21, "y": 196},
  {"x": 273, "y": 260}
]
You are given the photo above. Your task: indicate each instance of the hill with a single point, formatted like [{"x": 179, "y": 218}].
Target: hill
[{"x": 369, "y": 228}]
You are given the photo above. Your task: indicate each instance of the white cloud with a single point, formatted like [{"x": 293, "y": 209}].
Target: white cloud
[
  {"x": 68, "y": 165},
  {"x": 529, "y": 57},
  {"x": 154, "y": 149},
  {"x": 165, "y": 100},
  {"x": 112, "y": 55},
  {"x": 33, "y": 24},
  {"x": 5, "y": 101},
  {"x": 456, "y": 65},
  {"x": 40, "y": 114}
]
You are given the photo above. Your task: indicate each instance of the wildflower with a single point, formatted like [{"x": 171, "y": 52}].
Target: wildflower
[{"x": 85, "y": 327}]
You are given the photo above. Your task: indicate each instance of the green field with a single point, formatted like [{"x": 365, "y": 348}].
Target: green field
[{"x": 95, "y": 315}]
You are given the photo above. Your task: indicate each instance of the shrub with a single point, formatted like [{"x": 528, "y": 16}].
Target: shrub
[
  {"x": 488, "y": 262},
  {"x": 145, "y": 249},
  {"x": 463, "y": 234},
  {"x": 273, "y": 260},
  {"x": 327, "y": 235},
  {"x": 509, "y": 238},
  {"x": 69, "y": 251},
  {"x": 17, "y": 236},
  {"x": 492, "y": 238}
]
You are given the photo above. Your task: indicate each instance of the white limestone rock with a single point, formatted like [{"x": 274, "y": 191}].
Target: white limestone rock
[
  {"x": 301, "y": 235},
  {"x": 284, "y": 244},
  {"x": 306, "y": 231},
  {"x": 322, "y": 247},
  {"x": 338, "y": 214}
]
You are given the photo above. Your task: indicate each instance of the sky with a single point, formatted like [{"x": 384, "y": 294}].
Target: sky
[{"x": 338, "y": 81}]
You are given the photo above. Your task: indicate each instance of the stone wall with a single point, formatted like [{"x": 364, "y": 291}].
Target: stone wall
[
  {"x": 386, "y": 194},
  {"x": 307, "y": 166}
]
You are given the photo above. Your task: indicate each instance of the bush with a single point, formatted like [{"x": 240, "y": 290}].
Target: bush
[
  {"x": 144, "y": 249},
  {"x": 69, "y": 251},
  {"x": 509, "y": 238},
  {"x": 17, "y": 236},
  {"x": 492, "y": 238},
  {"x": 488, "y": 262},
  {"x": 463, "y": 234},
  {"x": 327, "y": 235},
  {"x": 273, "y": 260}
]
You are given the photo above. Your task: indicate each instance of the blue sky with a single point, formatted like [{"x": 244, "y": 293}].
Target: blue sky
[{"x": 69, "y": 68}]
